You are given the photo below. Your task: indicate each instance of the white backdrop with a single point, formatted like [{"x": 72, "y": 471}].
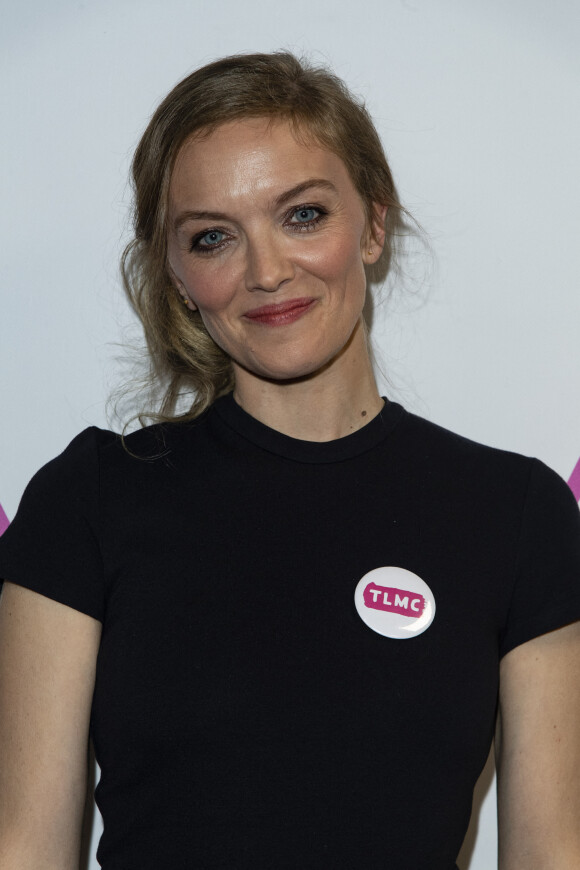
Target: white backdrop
[{"x": 478, "y": 106}]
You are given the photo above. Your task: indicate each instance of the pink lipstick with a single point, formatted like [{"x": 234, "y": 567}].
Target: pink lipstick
[{"x": 282, "y": 313}]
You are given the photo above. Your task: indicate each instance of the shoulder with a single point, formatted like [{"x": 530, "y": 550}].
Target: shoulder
[
  {"x": 96, "y": 446},
  {"x": 439, "y": 441},
  {"x": 77, "y": 470},
  {"x": 75, "y": 464},
  {"x": 97, "y": 458},
  {"x": 444, "y": 453},
  {"x": 458, "y": 465}
]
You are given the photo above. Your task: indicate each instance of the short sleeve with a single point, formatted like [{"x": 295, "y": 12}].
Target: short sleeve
[
  {"x": 52, "y": 545},
  {"x": 546, "y": 593}
]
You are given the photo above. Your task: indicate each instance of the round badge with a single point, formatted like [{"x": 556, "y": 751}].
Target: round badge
[{"x": 395, "y": 602}]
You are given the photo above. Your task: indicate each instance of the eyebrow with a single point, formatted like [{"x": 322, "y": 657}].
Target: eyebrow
[
  {"x": 280, "y": 200},
  {"x": 302, "y": 188}
]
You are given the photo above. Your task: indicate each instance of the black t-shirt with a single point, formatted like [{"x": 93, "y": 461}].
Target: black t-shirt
[{"x": 248, "y": 713}]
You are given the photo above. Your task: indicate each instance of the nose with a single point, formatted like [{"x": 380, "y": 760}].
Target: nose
[{"x": 268, "y": 264}]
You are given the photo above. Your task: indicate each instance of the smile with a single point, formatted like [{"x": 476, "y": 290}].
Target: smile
[{"x": 281, "y": 314}]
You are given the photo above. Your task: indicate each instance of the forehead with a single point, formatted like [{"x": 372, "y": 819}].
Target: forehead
[{"x": 252, "y": 155}]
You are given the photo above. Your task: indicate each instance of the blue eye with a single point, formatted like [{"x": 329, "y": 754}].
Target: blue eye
[
  {"x": 211, "y": 239},
  {"x": 305, "y": 218},
  {"x": 305, "y": 215}
]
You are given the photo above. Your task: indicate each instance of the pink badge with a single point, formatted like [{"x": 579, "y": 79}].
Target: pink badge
[{"x": 395, "y": 602}]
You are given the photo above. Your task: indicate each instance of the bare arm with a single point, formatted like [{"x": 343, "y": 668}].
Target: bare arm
[
  {"x": 538, "y": 754},
  {"x": 48, "y": 656}
]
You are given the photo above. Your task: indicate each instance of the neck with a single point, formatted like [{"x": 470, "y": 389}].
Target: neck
[{"x": 329, "y": 404}]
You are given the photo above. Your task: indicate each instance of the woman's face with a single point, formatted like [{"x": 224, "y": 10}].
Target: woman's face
[{"x": 268, "y": 240}]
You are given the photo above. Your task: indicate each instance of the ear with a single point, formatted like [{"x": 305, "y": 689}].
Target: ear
[
  {"x": 180, "y": 287},
  {"x": 375, "y": 236}
]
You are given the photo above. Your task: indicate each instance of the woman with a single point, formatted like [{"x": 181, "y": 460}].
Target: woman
[{"x": 285, "y": 615}]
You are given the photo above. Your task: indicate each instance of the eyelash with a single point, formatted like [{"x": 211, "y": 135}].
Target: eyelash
[{"x": 299, "y": 226}]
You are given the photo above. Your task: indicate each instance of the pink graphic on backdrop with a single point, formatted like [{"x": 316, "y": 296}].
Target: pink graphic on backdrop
[
  {"x": 574, "y": 482},
  {"x": 4, "y": 521}
]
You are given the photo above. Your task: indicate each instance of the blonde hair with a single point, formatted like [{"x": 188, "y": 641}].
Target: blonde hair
[{"x": 184, "y": 359}]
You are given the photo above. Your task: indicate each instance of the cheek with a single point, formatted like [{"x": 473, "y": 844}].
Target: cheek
[
  {"x": 212, "y": 290},
  {"x": 339, "y": 261}
]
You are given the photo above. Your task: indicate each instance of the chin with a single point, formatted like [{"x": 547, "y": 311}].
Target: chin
[{"x": 290, "y": 371}]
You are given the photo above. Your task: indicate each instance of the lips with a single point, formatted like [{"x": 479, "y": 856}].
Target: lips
[{"x": 281, "y": 313}]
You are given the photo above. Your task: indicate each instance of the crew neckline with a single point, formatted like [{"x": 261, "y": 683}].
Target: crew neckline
[{"x": 347, "y": 447}]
